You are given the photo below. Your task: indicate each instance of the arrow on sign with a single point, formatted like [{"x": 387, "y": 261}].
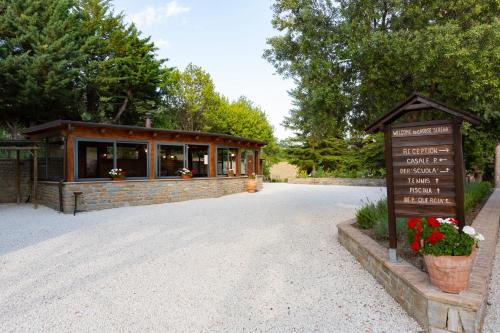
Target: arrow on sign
[
  {"x": 444, "y": 150},
  {"x": 443, "y": 159},
  {"x": 445, "y": 171}
]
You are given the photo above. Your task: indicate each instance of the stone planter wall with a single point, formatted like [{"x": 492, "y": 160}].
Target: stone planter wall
[
  {"x": 110, "y": 194},
  {"x": 338, "y": 181},
  {"x": 436, "y": 311}
]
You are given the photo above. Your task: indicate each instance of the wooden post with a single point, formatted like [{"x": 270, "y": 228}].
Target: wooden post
[
  {"x": 459, "y": 172},
  {"x": 390, "y": 194},
  {"x": 238, "y": 160},
  {"x": 18, "y": 177},
  {"x": 35, "y": 178}
]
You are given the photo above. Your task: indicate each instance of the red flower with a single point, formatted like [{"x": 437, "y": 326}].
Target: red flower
[
  {"x": 415, "y": 246},
  {"x": 412, "y": 222},
  {"x": 454, "y": 220},
  {"x": 419, "y": 227},
  {"x": 435, "y": 237},
  {"x": 416, "y": 238},
  {"x": 433, "y": 222}
]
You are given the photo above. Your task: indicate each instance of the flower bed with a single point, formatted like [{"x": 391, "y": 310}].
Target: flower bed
[
  {"x": 436, "y": 311},
  {"x": 372, "y": 218}
]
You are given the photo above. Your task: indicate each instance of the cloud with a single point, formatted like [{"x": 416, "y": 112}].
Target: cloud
[
  {"x": 151, "y": 14},
  {"x": 162, "y": 43},
  {"x": 172, "y": 9}
]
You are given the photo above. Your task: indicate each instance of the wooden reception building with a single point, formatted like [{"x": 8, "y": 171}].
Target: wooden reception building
[{"x": 76, "y": 157}]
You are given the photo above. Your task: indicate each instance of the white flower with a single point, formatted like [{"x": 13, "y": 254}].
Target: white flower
[
  {"x": 444, "y": 221},
  {"x": 479, "y": 237},
  {"x": 469, "y": 230}
]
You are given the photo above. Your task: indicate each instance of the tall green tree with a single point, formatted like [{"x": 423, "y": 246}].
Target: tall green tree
[
  {"x": 122, "y": 73},
  {"x": 191, "y": 96},
  {"x": 74, "y": 59},
  {"x": 40, "y": 61}
]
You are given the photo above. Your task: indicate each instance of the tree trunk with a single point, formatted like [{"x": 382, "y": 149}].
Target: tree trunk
[
  {"x": 13, "y": 129},
  {"x": 124, "y": 105}
]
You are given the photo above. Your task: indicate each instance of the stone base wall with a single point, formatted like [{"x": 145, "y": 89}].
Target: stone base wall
[
  {"x": 111, "y": 194},
  {"x": 8, "y": 180},
  {"x": 338, "y": 181},
  {"x": 436, "y": 311}
]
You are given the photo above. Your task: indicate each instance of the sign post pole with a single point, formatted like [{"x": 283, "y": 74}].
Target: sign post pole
[
  {"x": 459, "y": 173},
  {"x": 390, "y": 194}
]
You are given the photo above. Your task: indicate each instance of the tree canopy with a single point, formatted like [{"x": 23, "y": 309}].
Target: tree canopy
[
  {"x": 79, "y": 60},
  {"x": 73, "y": 59},
  {"x": 353, "y": 60}
]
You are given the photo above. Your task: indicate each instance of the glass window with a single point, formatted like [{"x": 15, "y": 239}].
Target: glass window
[
  {"x": 55, "y": 160},
  {"x": 170, "y": 160},
  {"x": 247, "y": 162},
  {"x": 95, "y": 159},
  {"x": 132, "y": 158},
  {"x": 197, "y": 160},
  {"x": 226, "y": 161}
]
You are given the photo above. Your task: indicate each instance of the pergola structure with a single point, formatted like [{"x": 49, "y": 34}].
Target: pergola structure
[{"x": 18, "y": 146}]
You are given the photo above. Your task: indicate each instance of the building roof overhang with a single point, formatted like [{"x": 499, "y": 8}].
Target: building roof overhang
[{"x": 60, "y": 124}]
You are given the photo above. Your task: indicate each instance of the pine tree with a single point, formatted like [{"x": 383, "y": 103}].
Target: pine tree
[{"x": 40, "y": 61}]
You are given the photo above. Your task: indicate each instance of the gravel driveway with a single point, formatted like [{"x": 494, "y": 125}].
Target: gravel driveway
[{"x": 264, "y": 262}]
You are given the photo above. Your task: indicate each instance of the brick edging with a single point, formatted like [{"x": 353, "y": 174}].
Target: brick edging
[{"x": 431, "y": 308}]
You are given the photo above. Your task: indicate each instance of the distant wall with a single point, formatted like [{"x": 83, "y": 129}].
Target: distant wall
[
  {"x": 8, "y": 180},
  {"x": 339, "y": 181},
  {"x": 283, "y": 170}
]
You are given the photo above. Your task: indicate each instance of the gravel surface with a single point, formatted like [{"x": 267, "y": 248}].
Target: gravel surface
[
  {"x": 264, "y": 262},
  {"x": 492, "y": 319}
]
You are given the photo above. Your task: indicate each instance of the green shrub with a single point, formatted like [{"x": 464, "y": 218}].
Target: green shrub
[
  {"x": 370, "y": 212},
  {"x": 381, "y": 228},
  {"x": 374, "y": 215},
  {"x": 475, "y": 193}
]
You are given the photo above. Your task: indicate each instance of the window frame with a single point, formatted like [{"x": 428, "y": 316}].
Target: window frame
[
  {"x": 185, "y": 160},
  {"x": 157, "y": 156},
  {"x": 114, "y": 142},
  {"x": 253, "y": 153},
  {"x": 238, "y": 149},
  {"x": 186, "y": 156}
]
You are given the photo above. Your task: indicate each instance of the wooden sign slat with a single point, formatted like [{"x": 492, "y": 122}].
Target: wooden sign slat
[
  {"x": 426, "y": 200},
  {"x": 423, "y": 180},
  {"x": 418, "y": 131},
  {"x": 425, "y": 211},
  {"x": 435, "y": 171},
  {"x": 441, "y": 160},
  {"x": 418, "y": 150},
  {"x": 423, "y": 141},
  {"x": 425, "y": 190}
]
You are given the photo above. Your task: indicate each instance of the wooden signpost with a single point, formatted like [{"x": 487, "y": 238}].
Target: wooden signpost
[{"x": 424, "y": 163}]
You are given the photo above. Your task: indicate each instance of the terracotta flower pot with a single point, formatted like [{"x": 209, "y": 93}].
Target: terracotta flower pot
[
  {"x": 186, "y": 176},
  {"x": 118, "y": 178},
  {"x": 251, "y": 185},
  {"x": 450, "y": 273}
]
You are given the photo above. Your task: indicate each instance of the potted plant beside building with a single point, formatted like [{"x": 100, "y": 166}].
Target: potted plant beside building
[
  {"x": 448, "y": 252},
  {"x": 251, "y": 183},
  {"x": 117, "y": 174},
  {"x": 185, "y": 173}
]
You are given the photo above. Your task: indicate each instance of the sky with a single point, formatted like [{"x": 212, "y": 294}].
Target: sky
[{"x": 226, "y": 38}]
